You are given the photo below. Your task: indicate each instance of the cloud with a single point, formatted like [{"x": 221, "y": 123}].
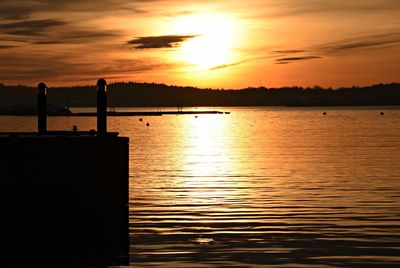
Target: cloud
[
  {"x": 223, "y": 66},
  {"x": 15, "y": 10},
  {"x": 29, "y": 27},
  {"x": 49, "y": 42},
  {"x": 296, "y": 8},
  {"x": 70, "y": 69},
  {"x": 340, "y": 47},
  {"x": 6, "y": 46},
  {"x": 76, "y": 36},
  {"x": 40, "y": 32},
  {"x": 285, "y": 60},
  {"x": 233, "y": 64},
  {"x": 294, "y": 59},
  {"x": 289, "y": 51},
  {"x": 24, "y": 9},
  {"x": 164, "y": 41},
  {"x": 364, "y": 42}
]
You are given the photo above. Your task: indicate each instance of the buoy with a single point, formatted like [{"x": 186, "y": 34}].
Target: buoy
[
  {"x": 147, "y": 124},
  {"x": 324, "y": 113},
  {"x": 140, "y": 119},
  {"x": 382, "y": 113},
  {"x": 196, "y": 116}
]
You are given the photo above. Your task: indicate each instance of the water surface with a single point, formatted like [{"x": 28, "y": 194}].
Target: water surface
[{"x": 276, "y": 187}]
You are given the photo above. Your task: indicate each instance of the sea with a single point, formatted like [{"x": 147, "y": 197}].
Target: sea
[{"x": 260, "y": 186}]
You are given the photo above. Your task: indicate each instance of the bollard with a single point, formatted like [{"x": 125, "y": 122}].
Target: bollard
[
  {"x": 42, "y": 108},
  {"x": 101, "y": 107}
]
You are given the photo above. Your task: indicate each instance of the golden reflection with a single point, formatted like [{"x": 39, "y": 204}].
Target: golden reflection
[{"x": 207, "y": 171}]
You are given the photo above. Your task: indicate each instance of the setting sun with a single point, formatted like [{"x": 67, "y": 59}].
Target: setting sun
[{"x": 212, "y": 44}]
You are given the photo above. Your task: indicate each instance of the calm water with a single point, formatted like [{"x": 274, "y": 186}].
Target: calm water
[{"x": 276, "y": 187}]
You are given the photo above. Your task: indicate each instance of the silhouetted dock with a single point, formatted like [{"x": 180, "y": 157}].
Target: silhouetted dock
[
  {"x": 142, "y": 113},
  {"x": 64, "y": 195}
]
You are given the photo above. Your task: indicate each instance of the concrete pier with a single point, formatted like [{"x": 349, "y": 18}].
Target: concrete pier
[{"x": 64, "y": 199}]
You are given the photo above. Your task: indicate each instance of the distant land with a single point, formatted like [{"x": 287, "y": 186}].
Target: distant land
[{"x": 132, "y": 94}]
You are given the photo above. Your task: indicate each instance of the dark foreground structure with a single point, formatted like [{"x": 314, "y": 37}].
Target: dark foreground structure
[{"x": 64, "y": 197}]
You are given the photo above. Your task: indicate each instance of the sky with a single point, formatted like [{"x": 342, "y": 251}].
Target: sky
[{"x": 216, "y": 44}]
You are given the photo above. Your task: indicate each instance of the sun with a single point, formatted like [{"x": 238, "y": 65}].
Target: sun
[{"x": 213, "y": 41}]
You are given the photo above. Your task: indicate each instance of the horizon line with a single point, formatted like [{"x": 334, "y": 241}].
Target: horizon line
[{"x": 211, "y": 88}]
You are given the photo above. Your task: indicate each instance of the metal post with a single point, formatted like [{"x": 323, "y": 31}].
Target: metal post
[
  {"x": 42, "y": 108},
  {"x": 101, "y": 107}
]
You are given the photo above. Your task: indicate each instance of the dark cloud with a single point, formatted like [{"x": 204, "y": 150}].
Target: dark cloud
[
  {"x": 77, "y": 36},
  {"x": 365, "y": 42},
  {"x": 223, "y": 66},
  {"x": 233, "y": 64},
  {"x": 164, "y": 41},
  {"x": 6, "y": 46},
  {"x": 296, "y": 8},
  {"x": 89, "y": 34},
  {"x": 290, "y": 51},
  {"x": 343, "y": 46},
  {"x": 19, "y": 9},
  {"x": 24, "y": 9},
  {"x": 53, "y": 69},
  {"x": 294, "y": 59},
  {"x": 41, "y": 32},
  {"x": 15, "y": 10},
  {"x": 29, "y": 27},
  {"x": 49, "y": 42}
]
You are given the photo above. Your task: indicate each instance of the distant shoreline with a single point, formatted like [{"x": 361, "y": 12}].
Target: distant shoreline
[
  {"x": 31, "y": 110},
  {"x": 160, "y": 95}
]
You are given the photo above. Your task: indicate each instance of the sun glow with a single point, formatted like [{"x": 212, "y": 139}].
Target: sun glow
[
  {"x": 207, "y": 171},
  {"x": 213, "y": 41}
]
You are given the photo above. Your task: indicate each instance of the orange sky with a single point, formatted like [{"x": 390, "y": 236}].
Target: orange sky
[{"x": 219, "y": 44}]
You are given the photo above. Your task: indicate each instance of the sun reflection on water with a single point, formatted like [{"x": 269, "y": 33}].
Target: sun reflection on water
[{"x": 207, "y": 169}]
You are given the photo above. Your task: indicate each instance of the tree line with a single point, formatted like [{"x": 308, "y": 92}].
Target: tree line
[{"x": 133, "y": 94}]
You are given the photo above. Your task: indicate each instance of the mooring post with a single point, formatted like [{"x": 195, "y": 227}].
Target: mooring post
[
  {"x": 42, "y": 108},
  {"x": 101, "y": 107}
]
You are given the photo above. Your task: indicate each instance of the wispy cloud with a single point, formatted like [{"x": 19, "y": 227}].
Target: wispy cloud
[
  {"x": 86, "y": 35},
  {"x": 23, "y": 9},
  {"x": 15, "y": 10},
  {"x": 338, "y": 47},
  {"x": 41, "y": 32},
  {"x": 57, "y": 69},
  {"x": 295, "y": 59},
  {"x": 363, "y": 42},
  {"x": 289, "y": 51},
  {"x": 163, "y": 41},
  {"x": 29, "y": 27},
  {"x": 280, "y": 8},
  {"x": 6, "y": 46},
  {"x": 233, "y": 64},
  {"x": 228, "y": 65}
]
